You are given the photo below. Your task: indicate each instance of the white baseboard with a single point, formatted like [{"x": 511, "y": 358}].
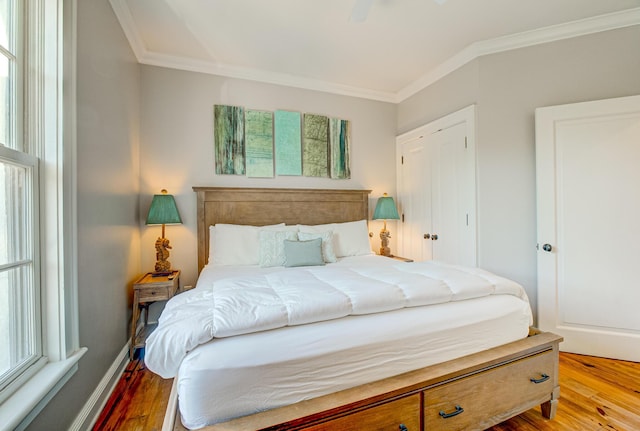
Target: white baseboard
[{"x": 98, "y": 399}]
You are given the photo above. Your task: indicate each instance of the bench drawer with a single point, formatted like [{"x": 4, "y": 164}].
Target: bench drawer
[
  {"x": 489, "y": 397},
  {"x": 390, "y": 416}
]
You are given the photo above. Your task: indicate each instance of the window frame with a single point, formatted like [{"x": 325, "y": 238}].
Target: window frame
[{"x": 48, "y": 120}]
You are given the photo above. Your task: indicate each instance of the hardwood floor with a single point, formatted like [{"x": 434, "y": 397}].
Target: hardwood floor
[
  {"x": 138, "y": 403},
  {"x": 595, "y": 394}
]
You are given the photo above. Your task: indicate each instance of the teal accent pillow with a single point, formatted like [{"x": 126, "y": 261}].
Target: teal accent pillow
[{"x": 303, "y": 253}]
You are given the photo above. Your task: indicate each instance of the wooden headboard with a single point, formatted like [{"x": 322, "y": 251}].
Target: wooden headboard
[{"x": 259, "y": 207}]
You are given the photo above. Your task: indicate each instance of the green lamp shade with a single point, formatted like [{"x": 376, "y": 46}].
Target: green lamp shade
[
  {"x": 163, "y": 210},
  {"x": 386, "y": 209}
]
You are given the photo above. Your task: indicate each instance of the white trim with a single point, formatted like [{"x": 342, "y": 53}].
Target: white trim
[
  {"x": 464, "y": 115},
  {"x": 123, "y": 13},
  {"x": 552, "y": 33},
  {"x": 23, "y": 406},
  {"x": 209, "y": 67},
  {"x": 98, "y": 399},
  {"x": 68, "y": 69}
]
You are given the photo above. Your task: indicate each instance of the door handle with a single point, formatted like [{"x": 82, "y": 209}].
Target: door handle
[
  {"x": 547, "y": 247},
  {"x": 426, "y": 236},
  {"x": 434, "y": 237}
]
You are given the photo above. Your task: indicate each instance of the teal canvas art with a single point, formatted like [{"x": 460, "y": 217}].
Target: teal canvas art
[{"x": 288, "y": 142}]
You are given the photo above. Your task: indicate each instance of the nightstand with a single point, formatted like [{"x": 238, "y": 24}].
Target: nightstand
[
  {"x": 402, "y": 259},
  {"x": 146, "y": 290}
]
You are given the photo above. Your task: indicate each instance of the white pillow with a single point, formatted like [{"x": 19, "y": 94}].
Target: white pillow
[
  {"x": 272, "y": 246},
  {"x": 234, "y": 244},
  {"x": 328, "y": 254},
  {"x": 349, "y": 239}
]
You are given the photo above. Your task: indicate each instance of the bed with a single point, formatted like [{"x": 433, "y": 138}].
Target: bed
[{"x": 369, "y": 350}]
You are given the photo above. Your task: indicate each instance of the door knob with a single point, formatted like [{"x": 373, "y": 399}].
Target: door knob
[
  {"x": 547, "y": 247},
  {"x": 434, "y": 237},
  {"x": 426, "y": 236}
]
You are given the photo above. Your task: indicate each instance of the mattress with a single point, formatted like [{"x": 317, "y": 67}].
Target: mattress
[{"x": 235, "y": 376}]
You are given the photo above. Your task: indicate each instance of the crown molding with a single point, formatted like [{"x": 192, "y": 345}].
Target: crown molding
[
  {"x": 542, "y": 35},
  {"x": 122, "y": 12},
  {"x": 568, "y": 30},
  {"x": 221, "y": 69}
]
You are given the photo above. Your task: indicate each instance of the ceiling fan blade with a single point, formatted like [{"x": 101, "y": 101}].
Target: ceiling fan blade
[{"x": 360, "y": 10}]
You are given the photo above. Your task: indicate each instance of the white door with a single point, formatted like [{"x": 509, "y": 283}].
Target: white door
[
  {"x": 452, "y": 196},
  {"x": 414, "y": 192},
  {"x": 436, "y": 190},
  {"x": 588, "y": 180}
]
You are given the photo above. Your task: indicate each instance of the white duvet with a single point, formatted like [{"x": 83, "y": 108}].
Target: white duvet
[{"x": 260, "y": 300}]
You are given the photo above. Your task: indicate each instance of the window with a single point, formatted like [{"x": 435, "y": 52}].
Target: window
[
  {"x": 20, "y": 333},
  {"x": 20, "y": 312},
  {"x": 37, "y": 269}
]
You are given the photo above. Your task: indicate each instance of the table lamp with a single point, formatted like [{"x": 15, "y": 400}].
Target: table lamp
[
  {"x": 385, "y": 210},
  {"x": 163, "y": 210}
]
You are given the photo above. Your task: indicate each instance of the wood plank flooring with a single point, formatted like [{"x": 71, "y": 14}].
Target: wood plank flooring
[
  {"x": 138, "y": 402},
  {"x": 595, "y": 394}
]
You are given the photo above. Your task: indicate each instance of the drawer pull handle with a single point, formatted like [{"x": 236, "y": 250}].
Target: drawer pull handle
[
  {"x": 403, "y": 427},
  {"x": 457, "y": 411},
  {"x": 544, "y": 378}
]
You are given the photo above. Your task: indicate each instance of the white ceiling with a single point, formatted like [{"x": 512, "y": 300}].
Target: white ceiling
[{"x": 401, "y": 46}]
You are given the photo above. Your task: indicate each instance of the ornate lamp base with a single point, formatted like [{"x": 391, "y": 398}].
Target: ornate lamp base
[
  {"x": 384, "y": 242},
  {"x": 163, "y": 266}
]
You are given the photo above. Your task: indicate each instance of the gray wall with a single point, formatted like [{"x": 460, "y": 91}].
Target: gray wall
[
  {"x": 108, "y": 185},
  {"x": 143, "y": 128},
  {"x": 177, "y": 146},
  {"x": 507, "y": 87}
]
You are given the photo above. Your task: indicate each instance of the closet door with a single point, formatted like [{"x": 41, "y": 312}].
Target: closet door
[
  {"x": 436, "y": 190},
  {"x": 414, "y": 193},
  {"x": 587, "y": 158},
  {"x": 452, "y": 196}
]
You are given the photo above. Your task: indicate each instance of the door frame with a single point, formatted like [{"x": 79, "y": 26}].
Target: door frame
[
  {"x": 578, "y": 338},
  {"x": 465, "y": 115}
]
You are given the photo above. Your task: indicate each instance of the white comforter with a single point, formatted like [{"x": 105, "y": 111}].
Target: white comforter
[{"x": 260, "y": 301}]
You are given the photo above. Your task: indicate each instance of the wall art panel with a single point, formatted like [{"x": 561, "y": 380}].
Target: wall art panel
[
  {"x": 339, "y": 148},
  {"x": 259, "y": 143},
  {"x": 288, "y": 143},
  {"x": 315, "y": 146},
  {"x": 228, "y": 130}
]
